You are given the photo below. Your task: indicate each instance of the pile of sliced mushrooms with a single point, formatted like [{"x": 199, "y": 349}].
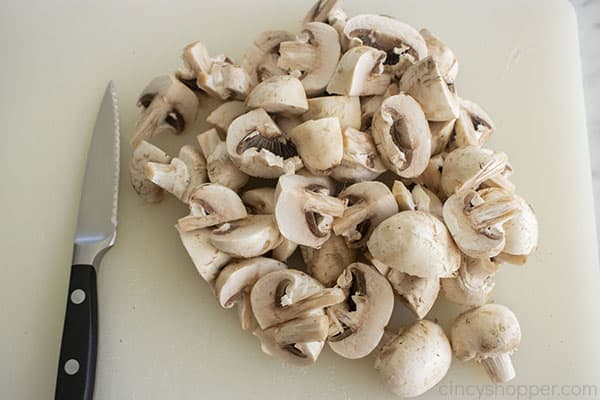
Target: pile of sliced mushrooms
[{"x": 347, "y": 144}]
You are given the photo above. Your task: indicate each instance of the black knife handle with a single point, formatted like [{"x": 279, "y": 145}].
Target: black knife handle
[{"x": 77, "y": 362}]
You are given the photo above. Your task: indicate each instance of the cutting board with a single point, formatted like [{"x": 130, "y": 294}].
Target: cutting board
[{"x": 162, "y": 334}]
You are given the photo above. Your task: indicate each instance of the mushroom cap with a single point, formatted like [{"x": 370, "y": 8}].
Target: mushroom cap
[
  {"x": 314, "y": 53},
  {"x": 415, "y": 360},
  {"x": 304, "y": 210},
  {"x": 473, "y": 284},
  {"x": 418, "y": 294},
  {"x": 474, "y": 126},
  {"x": 364, "y": 315},
  {"x": 208, "y": 260},
  {"x": 260, "y": 200},
  {"x": 142, "y": 155},
  {"x": 279, "y": 94},
  {"x": 212, "y": 204},
  {"x": 360, "y": 72},
  {"x": 369, "y": 203},
  {"x": 442, "y": 55},
  {"x": 241, "y": 275},
  {"x": 222, "y": 116},
  {"x": 328, "y": 262},
  {"x": 260, "y": 60},
  {"x": 245, "y": 238},
  {"x": 415, "y": 243},
  {"x": 402, "y": 136},
  {"x": 319, "y": 143},
  {"x": 387, "y": 34},
  {"x": 485, "y": 332},
  {"x": 259, "y": 148},
  {"x": 360, "y": 161},
  {"x": 219, "y": 167},
  {"x": 521, "y": 232},
  {"x": 345, "y": 108}
]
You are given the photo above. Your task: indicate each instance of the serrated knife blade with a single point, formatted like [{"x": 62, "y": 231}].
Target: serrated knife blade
[{"x": 96, "y": 233}]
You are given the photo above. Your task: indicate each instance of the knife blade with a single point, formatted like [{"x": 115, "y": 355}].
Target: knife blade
[{"x": 96, "y": 233}]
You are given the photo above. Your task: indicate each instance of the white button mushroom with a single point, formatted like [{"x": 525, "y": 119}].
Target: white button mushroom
[
  {"x": 345, "y": 108},
  {"x": 415, "y": 243},
  {"x": 442, "y": 55},
  {"x": 208, "y": 260},
  {"x": 521, "y": 234},
  {"x": 361, "y": 161},
  {"x": 222, "y": 116},
  {"x": 142, "y": 155},
  {"x": 418, "y": 294},
  {"x": 369, "y": 105},
  {"x": 252, "y": 236},
  {"x": 441, "y": 133},
  {"x": 474, "y": 283},
  {"x": 260, "y": 60},
  {"x": 279, "y": 94},
  {"x": 167, "y": 105},
  {"x": 360, "y": 72},
  {"x": 357, "y": 324},
  {"x": 319, "y": 144},
  {"x": 322, "y": 10},
  {"x": 328, "y": 262},
  {"x": 259, "y": 200},
  {"x": 369, "y": 203},
  {"x": 488, "y": 334},
  {"x": 415, "y": 360},
  {"x": 474, "y": 126},
  {"x": 402, "y": 136}
]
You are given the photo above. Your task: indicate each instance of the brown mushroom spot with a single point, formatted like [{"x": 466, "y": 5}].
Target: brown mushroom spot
[
  {"x": 278, "y": 145},
  {"x": 294, "y": 350},
  {"x": 146, "y": 99},
  {"x": 175, "y": 119},
  {"x": 313, "y": 220}
]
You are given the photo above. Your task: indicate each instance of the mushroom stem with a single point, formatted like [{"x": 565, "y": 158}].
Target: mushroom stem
[
  {"x": 154, "y": 115},
  {"x": 490, "y": 170},
  {"x": 302, "y": 330},
  {"x": 324, "y": 204},
  {"x": 324, "y": 298},
  {"x": 297, "y": 55},
  {"x": 500, "y": 368},
  {"x": 492, "y": 212},
  {"x": 347, "y": 223},
  {"x": 173, "y": 177}
]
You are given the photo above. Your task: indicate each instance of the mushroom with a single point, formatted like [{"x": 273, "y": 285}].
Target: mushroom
[
  {"x": 474, "y": 126},
  {"x": 521, "y": 234},
  {"x": 403, "y": 197},
  {"x": 369, "y": 203},
  {"x": 167, "y": 105},
  {"x": 360, "y": 161},
  {"x": 402, "y": 136},
  {"x": 319, "y": 144},
  {"x": 284, "y": 250},
  {"x": 425, "y": 83},
  {"x": 415, "y": 360},
  {"x": 217, "y": 76},
  {"x": 369, "y": 105},
  {"x": 345, "y": 108},
  {"x": 281, "y": 296},
  {"x": 398, "y": 40},
  {"x": 356, "y": 325},
  {"x": 415, "y": 243},
  {"x": 326, "y": 263},
  {"x": 260, "y": 60},
  {"x": 418, "y": 294},
  {"x": 313, "y": 56},
  {"x": 182, "y": 176},
  {"x": 260, "y": 200},
  {"x": 431, "y": 178},
  {"x": 425, "y": 200},
  {"x": 220, "y": 168},
  {"x": 142, "y": 155},
  {"x": 259, "y": 148},
  {"x": 462, "y": 164},
  {"x": 208, "y": 260},
  {"x": 304, "y": 209},
  {"x": 222, "y": 116},
  {"x": 252, "y": 236},
  {"x": 488, "y": 334},
  {"x": 212, "y": 204},
  {"x": 360, "y": 72},
  {"x": 441, "y": 132},
  {"x": 321, "y": 11},
  {"x": 442, "y": 55},
  {"x": 474, "y": 283},
  {"x": 279, "y": 94}
]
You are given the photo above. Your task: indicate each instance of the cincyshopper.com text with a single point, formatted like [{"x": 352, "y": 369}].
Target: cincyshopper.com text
[{"x": 519, "y": 392}]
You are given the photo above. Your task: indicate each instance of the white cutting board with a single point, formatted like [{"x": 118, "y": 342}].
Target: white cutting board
[{"x": 162, "y": 335}]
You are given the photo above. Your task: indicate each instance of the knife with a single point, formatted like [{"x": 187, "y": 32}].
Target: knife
[{"x": 96, "y": 233}]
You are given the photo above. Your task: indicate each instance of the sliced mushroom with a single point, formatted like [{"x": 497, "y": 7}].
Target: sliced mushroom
[
  {"x": 345, "y": 108},
  {"x": 313, "y": 56},
  {"x": 379, "y": 266},
  {"x": 415, "y": 243},
  {"x": 217, "y": 76},
  {"x": 222, "y": 116},
  {"x": 474, "y": 126},
  {"x": 402, "y": 136},
  {"x": 182, "y": 176},
  {"x": 328, "y": 262},
  {"x": 425, "y": 200},
  {"x": 441, "y": 132},
  {"x": 442, "y": 55},
  {"x": 360, "y": 161},
  {"x": 260, "y": 61},
  {"x": 369, "y": 203},
  {"x": 252, "y": 236},
  {"x": 425, "y": 83},
  {"x": 488, "y": 334},
  {"x": 431, "y": 178},
  {"x": 360, "y": 72},
  {"x": 418, "y": 294},
  {"x": 521, "y": 234},
  {"x": 319, "y": 144},
  {"x": 321, "y": 11},
  {"x": 259, "y": 148},
  {"x": 415, "y": 360},
  {"x": 220, "y": 168},
  {"x": 368, "y": 107},
  {"x": 167, "y": 105},
  {"x": 397, "y": 39},
  {"x": 474, "y": 283},
  {"x": 356, "y": 325},
  {"x": 279, "y": 94},
  {"x": 212, "y": 204},
  {"x": 260, "y": 200},
  {"x": 284, "y": 250},
  {"x": 281, "y": 296},
  {"x": 403, "y": 197},
  {"x": 208, "y": 260},
  {"x": 142, "y": 155},
  {"x": 304, "y": 209}
]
